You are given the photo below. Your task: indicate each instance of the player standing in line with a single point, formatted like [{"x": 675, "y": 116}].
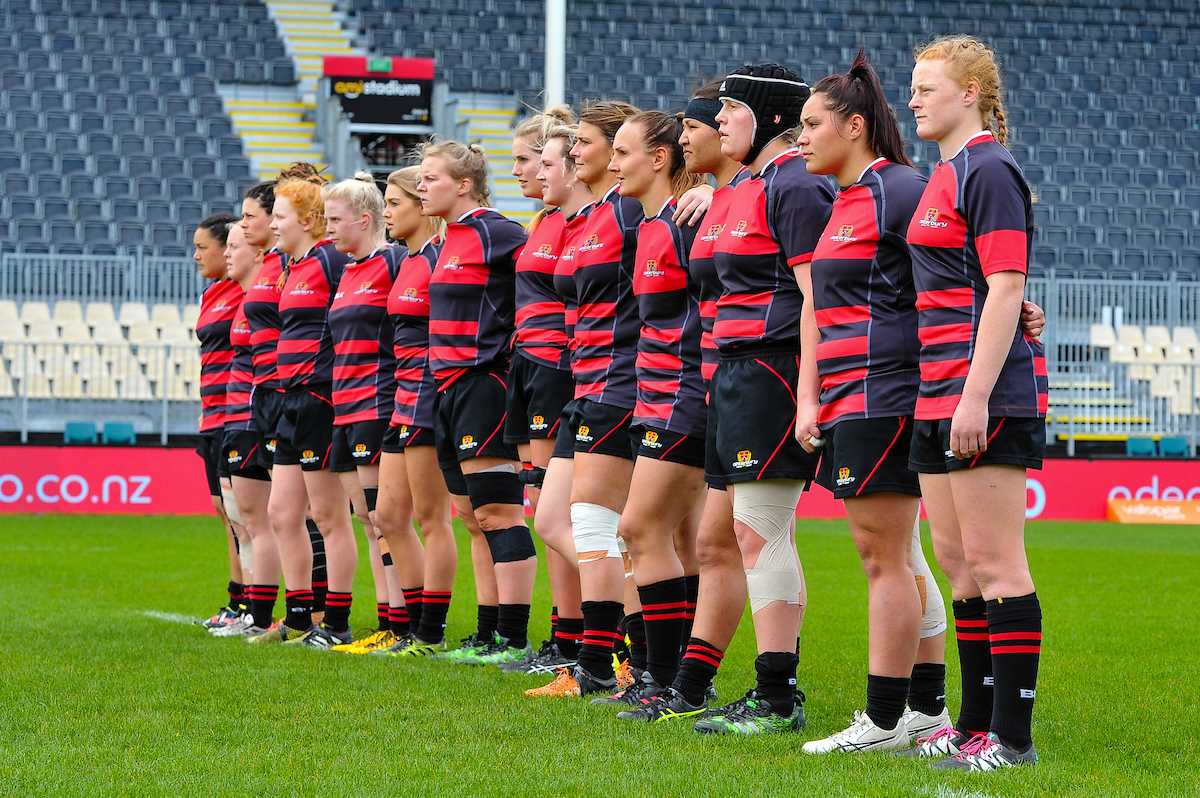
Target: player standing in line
[
  {"x": 776, "y": 215},
  {"x": 364, "y": 367},
  {"x": 305, "y": 430},
  {"x": 409, "y": 476},
  {"x": 540, "y": 384},
  {"x": 217, "y": 306},
  {"x": 983, "y": 396},
  {"x": 471, "y": 327},
  {"x": 242, "y": 452}
]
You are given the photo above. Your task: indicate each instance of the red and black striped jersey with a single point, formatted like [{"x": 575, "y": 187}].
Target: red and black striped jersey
[
  {"x": 974, "y": 219},
  {"x": 703, "y": 269},
  {"x": 364, "y": 368},
  {"x": 541, "y": 322},
  {"x": 305, "y": 345},
  {"x": 670, "y": 389},
  {"x": 606, "y": 326},
  {"x": 774, "y": 221},
  {"x": 472, "y": 298},
  {"x": 261, "y": 307},
  {"x": 864, "y": 300},
  {"x": 408, "y": 305},
  {"x": 217, "y": 306},
  {"x": 239, "y": 390},
  {"x": 564, "y": 272}
]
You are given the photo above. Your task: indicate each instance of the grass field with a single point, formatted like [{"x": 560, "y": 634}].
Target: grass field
[{"x": 100, "y": 696}]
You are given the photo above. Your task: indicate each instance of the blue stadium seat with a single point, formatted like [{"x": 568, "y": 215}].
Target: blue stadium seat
[{"x": 79, "y": 432}]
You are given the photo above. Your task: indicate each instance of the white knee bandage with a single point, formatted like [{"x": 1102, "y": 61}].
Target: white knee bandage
[
  {"x": 595, "y": 531},
  {"x": 231, "y": 506},
  {"x": 246, "y": 555},
  {"x": 769, "y": 508},
  {"x": 933, "y": 609}
]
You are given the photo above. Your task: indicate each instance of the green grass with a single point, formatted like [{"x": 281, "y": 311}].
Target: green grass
[{"x": 98, "y": 698}]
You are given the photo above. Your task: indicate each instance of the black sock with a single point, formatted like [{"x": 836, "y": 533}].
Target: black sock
[
  {"x": 320, "y": 593},
  {"x": 664, "y": 610},
  {"x": 512, "y": 623},
  {"x": 553, "y": 621},
  {"x": 299, "y": 604},
  {"x": 320, "y": 584},
  {"x": 399, "y": 621},
  {"x": 975, "y": 663},
  {"x": 487, "y": 616},
  {"x": 383, "y": 614},
  {"x": 567, "y": 635},
  {"x": 600, "y": 621},
  {"x": 434, "y": 606},
  {"x": 262, "y": 603},
  {"x": 337, "y": 611},
  {"x": 635, "y": 630},
  {"x": 885, "y": 699},
  {"x": 927, "y": 688},
  {"x": 776, "y": 682},
  {"x": 699, "y": 665},
  {"x": 237, "y": 594},
  {"x": 413, "y": 605},
  {"x": 1015, "y": 629},
  {"x": 692, "y": 586}
]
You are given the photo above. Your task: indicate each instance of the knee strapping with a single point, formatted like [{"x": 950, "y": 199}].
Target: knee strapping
[
  {"x": 514, "y": 544},
  {"x": 533, "y": 476},
  {"x": 231, "y": 506},
  {"x": 372, "y": 496},
  {"x": 595, "y": 531},
  {"x": 494, "y": 486},
  {"x": 246, "y": 555},
  {"x": 769, "y": 508},
  {"x": 933, "y": 609}
]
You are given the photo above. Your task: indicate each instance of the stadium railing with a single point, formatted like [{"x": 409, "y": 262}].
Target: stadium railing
[{"x": 99, "y": 278}]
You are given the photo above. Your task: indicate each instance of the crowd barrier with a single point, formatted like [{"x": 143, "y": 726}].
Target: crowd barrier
[{"x": 163, "y": 481}]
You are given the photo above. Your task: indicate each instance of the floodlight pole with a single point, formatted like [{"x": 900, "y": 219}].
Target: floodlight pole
[{"x": 556, "y": 52}]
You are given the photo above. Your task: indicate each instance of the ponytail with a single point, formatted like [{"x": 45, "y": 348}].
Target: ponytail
[
  {"x": 968, "y": 61},
  {"x": 859, "y": 91}
]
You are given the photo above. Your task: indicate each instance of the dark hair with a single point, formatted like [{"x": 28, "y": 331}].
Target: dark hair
[
  {"x": 264, "y": 195},
  {"x": 664, "y": 130},
  {"x": 218, "y": 225},
  {"x": 858, "y": 91},
  {"x": 608, "y": 115},
  {"x": 710, "y": 90}
]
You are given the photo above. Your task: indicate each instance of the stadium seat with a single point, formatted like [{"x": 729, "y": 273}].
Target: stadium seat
[
  {"x": 1157, "y": 336},
  {"x": 190, "y": 314},
  {"x": 1174, "y": 446},
  {"x": 77, "y": 432},
  {"x": 1140, "y": 447},
  {"x": 33, "y": 312},
  {"x": 119, "y": 432},
  {"x": 99, "y": 312},
  {"x": 1102, "y": 336},
  {"x": 165, "y": 315},
  {"x": 132, "y": 313},
  {"x": 1131, "y": 335},
  {"x": 143, "y": 332}
]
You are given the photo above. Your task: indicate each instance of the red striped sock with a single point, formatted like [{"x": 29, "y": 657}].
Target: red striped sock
[
  {"x": 975, "y": 664},
  {"x": 700, "y": 663},
  {"x": 1015, "y": 637}
]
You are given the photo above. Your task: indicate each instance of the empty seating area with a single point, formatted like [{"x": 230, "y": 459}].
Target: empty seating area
[
  {"x": 97, "y": 350},
  {"x": 1103, "y": 98},
  {"x": 113, "y": 138}
]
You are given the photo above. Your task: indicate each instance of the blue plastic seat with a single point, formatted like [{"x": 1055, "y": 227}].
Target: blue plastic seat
[{"x": 79, "y": 432}]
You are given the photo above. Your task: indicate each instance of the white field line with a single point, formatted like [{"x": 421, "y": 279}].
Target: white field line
[{"x": 170, "y": 617}]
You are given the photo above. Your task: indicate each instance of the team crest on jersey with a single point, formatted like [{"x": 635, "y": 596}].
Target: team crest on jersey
[
  {"x": 583, "y": 434},
  {"x": 271, "y": 444},
  {"x": 537, "y": 423},
  {"x": 745, "y": 459},
  {"x": 220, "y": 307},
  {"x": 545, "y": 252},
  {"x": 410, "y": 295},
  {"x": 568, "y": 254},
  {"x": 301, "y": 289},
  {"x": 844, "y": 477},
  {"x": 367, "y": 287},
  {"x": 652, "y": 269},
  {"x": 845, "y": 234},
  {"x": 233, "y": 457},
  {"x": 360, "y": 450},
  {"x": 468, "y": 442},
  {"x": 739, "y": 229},
  {"x": 592, "y": 243},
  {"x": 403, "y": 431},
  {"x": 308, "y": 456},
  {"x": 453, "y": 263},
  {"x": 931, "y": 219},
  {"x": 650, "y": 439},
  {"x": 713, "y": 232}
]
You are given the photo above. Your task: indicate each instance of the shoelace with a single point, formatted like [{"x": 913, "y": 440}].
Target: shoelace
[
  {"x": 978, "y": 746},
  {"x": 855, "y": 728},
  {"x": 937, "y": 736},
  {"x": 744, "y": 707}
]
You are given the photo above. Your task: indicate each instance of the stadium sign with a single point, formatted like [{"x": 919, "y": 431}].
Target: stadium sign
[{"x": 382, "y": 91}]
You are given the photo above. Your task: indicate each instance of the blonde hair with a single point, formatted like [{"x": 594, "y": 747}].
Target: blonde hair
[
  {"x": 304, "y": 194},
  {"x": 535, "y": 127},
  {"x": 360, "y": 195},
  {"x": 463, "y": 162},
  {"x": 406, "y": 180},
  {"x": 969, "y": 61}
]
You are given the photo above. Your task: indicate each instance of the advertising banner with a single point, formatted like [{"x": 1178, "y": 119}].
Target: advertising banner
[{"x": 382, "y": 91}]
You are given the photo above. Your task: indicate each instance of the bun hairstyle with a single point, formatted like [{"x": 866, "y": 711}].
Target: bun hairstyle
[
  {"x": 264, "y": 195},
  {"x": 608, "y": 115},
  {"x": 217, "y": 225},
  {"x": 360, "y": 195},
  {"x": 664, "y": 130},
  {"x": 534, "y": 128},
  {"x": 969, "y": 61},
  {"x": 463, "y": 162},
  {"x": 858, "y": 91}
]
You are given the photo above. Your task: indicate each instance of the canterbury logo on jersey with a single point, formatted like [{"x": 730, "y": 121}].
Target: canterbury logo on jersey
[
  {"x": 545, "y": 252},
  {"x": 739, "y": 230},
  {"x": 650, "y": 439},
  {"x": 410, "y": 295},
  {"x": 584, "y": 434},
  {"x": 301, "y": 289},
  {"x": 367, "y": 288},
  {"x": 468, "y": 442},
  {"x": 538, "y": 423},
  {"x": 844, "y": 477},
  {"x": 360, "y": 451},
  {"x": 745, "y": 459},
  {"x": 652, "y": 269},
  {"x": 308, "y": 456},
  {"x": 931, "y": 219},
  {"x": 844, "y": 235},
  {"x": 593, "y": 243},
  {"x": 713, "y": 233},
  {"x": 453, "y": 264},
  {"x": 569, "y": 254}
]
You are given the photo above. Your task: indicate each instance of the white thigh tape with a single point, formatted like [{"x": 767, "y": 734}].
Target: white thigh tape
[
  {"x": 933, "y": 609},
  {"x": 595, "y": 529}
]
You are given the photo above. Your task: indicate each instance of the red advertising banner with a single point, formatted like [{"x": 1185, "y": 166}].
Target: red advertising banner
[
  {"x": 152, "y": 480},
  {"x": 93, "y": 479}
]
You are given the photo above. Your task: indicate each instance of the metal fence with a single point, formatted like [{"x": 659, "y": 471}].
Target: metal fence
[{"x": 99, "y": 278}]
